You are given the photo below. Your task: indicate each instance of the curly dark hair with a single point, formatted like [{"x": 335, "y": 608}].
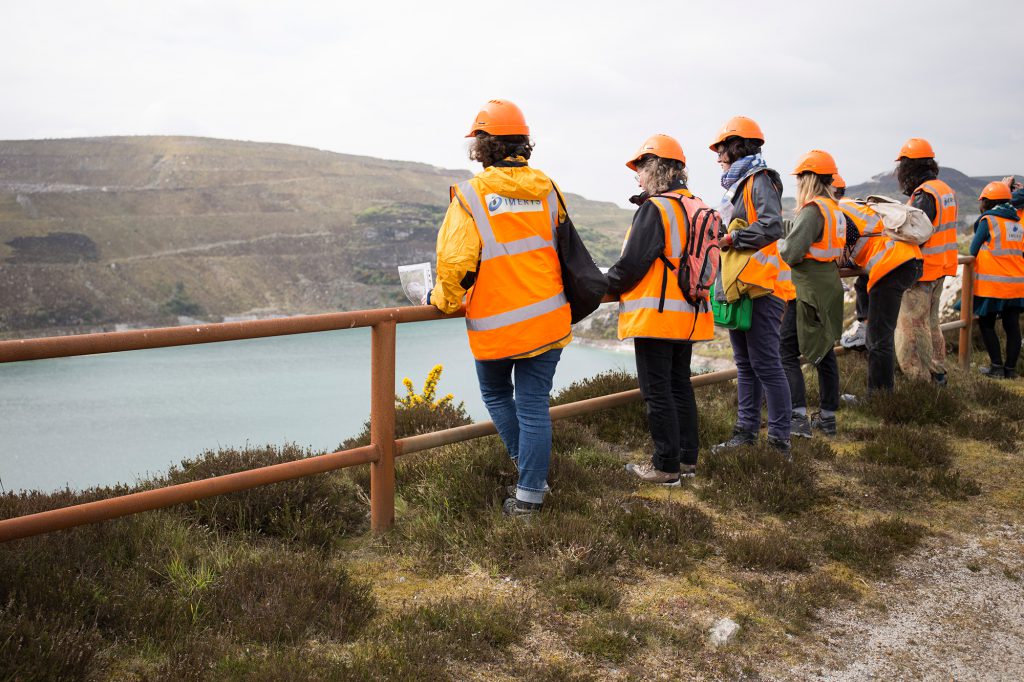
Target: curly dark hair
[
  {"x": 738, "y": 147},
  {"x": 663, "y": 173},
  {"x": 910, "y": 173},
  {"x": 490, "y": 149},
  {"x": 840, "y": 192}
]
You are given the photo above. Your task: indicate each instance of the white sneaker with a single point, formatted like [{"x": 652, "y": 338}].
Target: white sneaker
[{"x": 856, "y": 337}]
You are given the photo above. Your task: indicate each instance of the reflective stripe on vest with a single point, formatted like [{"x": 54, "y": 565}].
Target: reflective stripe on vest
[
  {"x": 651, "y": 302},
  {"x": 486, "y": 324},
  {"x": 504, "y": 317},
  {"x": 1008, "y": 279},
  {"x": 833, "y": 234}
]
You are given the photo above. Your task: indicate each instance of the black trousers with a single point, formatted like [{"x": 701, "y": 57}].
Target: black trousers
[
  {"x": 1011, "y": 325},
  {"x": 860, "y": 286},
  {"x": 663, "y": 370},
  {"x": 883, "y": 311},
  {"x": 828, "y": 367}
]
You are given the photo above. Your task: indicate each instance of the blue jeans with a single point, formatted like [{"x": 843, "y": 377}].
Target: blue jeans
[
  {"x": 520, "y": 413},
  {"x": 759, "y": 370}
]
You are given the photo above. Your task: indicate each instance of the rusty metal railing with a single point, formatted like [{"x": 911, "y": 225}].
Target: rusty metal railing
[{"x": 384, "y": 446}]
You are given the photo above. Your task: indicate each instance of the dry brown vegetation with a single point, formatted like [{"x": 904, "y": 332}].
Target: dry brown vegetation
[{"x": 613, "y": 580}]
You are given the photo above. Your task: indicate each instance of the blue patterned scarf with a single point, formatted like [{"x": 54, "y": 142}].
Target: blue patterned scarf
[{"x": 741, "y": 168}]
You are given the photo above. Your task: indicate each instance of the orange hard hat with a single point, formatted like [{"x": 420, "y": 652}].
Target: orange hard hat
[
  {"x": 664, "y": 146},
  {"x": 997, "y": 191},
  {"x": 499, "y": 117},
  {"x": 916, "y": 148},
  {"x": 738, "y": 126},
  {"x": 816, "y": 161},
  {"x": 837, "y": 181}
]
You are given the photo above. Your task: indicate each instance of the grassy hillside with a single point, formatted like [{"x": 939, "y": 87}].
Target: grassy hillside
[
  {"x": 614, "y": 580},
  {"x": 100, "y": 231}
]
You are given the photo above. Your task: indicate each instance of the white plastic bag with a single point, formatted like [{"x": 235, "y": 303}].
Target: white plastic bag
[{"x": 417, "y": 282}]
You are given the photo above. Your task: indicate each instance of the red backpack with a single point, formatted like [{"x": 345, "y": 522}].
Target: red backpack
[{"x": 699, "y": 263}]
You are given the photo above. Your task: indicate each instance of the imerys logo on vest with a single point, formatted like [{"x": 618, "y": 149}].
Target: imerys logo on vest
[
  {"x": 948, "y": 200},
  {"x": 497, "y": 204}
]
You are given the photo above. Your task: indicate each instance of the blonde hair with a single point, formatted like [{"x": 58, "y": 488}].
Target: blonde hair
[
  {"x": 663, "y": 173},
  {"x": 810, "y": 185}
]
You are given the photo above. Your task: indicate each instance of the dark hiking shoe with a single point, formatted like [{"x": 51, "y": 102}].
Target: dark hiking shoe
[
  {"x": 687, "y": 470},
  {"x": 827, "y": 425},
  {"x": 800, "y": 426},
  {"x": 740, "y": 437},
  {"x": 518, "y": 508},
  {"x": 784, "y": 447},
  {"x": 939, "y": 379},
  {"x": 1009, "y": 373},
  {"x": 993, "y": 371}
]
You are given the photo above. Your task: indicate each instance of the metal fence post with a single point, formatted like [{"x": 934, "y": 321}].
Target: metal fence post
[
  {"x": 382, "y": 426},
  {"x": 966, "y": 314}
]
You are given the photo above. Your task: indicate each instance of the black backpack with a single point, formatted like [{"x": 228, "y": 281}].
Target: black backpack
[{"x": 584, "y": 283}]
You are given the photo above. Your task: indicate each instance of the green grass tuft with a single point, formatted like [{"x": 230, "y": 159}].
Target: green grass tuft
[
  {"x": 872, "y": 548},
  {"x": 759, "y": 477},
  {"x": 770, "y": 550}
]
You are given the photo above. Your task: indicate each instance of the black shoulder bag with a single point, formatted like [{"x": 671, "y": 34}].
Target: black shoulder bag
[{"x": 584, "y": 283}]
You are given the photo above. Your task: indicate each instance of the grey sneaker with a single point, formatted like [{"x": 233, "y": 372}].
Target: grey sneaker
[
  {"x": 647, "y": 473},
  {"x": 856, "y": 337},
  {"x": 687, "y": 470},
  {"x": 827, "y": 425},
  {"x": 518, "y": 508},
  {"x": 800, "y": 426},
  {"x": 740, "y": 437}
]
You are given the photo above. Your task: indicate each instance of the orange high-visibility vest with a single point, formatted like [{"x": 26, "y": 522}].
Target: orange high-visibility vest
[
  {"x": 940, "y": 251},
  {"x": 830, "y": 246},
  {"x": 999, "y": 270},
  {"x": 642, "y": 311},
  {"x": 766, "y": 268},
  {"x": 517, "y": 304},
  {"x": 874, "y": 251}
]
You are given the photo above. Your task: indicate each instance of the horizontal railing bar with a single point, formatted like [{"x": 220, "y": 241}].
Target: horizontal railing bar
[
  {"x": 18, "y": 350},
  {"x": 148, "y": 500},
  {"x": 458, "y": 434}
]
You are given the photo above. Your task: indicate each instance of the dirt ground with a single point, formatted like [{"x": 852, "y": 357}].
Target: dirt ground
[{"x": 954, "y": 611}]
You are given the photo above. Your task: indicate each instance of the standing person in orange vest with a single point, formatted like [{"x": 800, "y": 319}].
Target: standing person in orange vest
[
  {"x": 892, "y": 267},
  {"x": 654, "y": 312},
  {"x": 920, "y": 345},
  {"x": 814, "y": 322},
  {"x": 498, "y": 241},
  {"x": 752, "y": 210},
  {"x": 998, "y": 245}
]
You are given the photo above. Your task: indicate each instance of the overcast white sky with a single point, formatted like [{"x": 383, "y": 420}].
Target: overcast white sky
[{"x": 403, "y": 80}]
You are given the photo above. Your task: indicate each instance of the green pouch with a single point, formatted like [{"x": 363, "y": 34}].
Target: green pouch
[{"x": 736, "y": 315}]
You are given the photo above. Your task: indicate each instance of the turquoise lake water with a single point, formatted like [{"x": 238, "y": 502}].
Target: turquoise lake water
[{"x": 103, "y": 419}]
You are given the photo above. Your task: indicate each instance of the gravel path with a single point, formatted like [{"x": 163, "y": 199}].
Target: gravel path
[{"x": 954, "y": 611}]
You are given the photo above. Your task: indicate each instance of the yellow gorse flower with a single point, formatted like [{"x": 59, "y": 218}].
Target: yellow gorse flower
[{"x": 413, "y": 399}]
